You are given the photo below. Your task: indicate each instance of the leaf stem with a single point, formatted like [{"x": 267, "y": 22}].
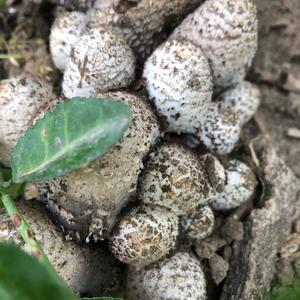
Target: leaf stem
[{"x": 27, "y": 234}]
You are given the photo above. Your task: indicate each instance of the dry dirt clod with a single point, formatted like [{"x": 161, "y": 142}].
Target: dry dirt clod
[
  {"x": 176, "y": 178},
  {"x": 226, "y": 31},
  {"x": 218, "y": 268},
  {"x": 144, "y": 236},
  {"x": 178, "y": 277},
  {"x": 85, "y": 268},
  {"x": 87, "y": 202},
  {"x": 179, "y": 80},
  {"x": 100, "y": 61}
]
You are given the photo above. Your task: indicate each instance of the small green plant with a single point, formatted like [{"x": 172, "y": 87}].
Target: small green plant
[
  {"x": 72, "y": 136},
  {"x": 2, "y": 2}
]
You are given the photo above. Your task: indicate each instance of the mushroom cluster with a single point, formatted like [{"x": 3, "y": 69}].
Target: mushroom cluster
[{"x": 151, "y": 192}]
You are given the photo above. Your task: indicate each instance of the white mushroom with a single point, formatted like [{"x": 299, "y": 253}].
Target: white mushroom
[
  {"x": 100, "y": 61},
  {"x": 144, "y": 23},
  {"x": 178, "y": 78},
  {"x": 88, "y": 201},
  {"x": 86, "y": 269},
  {"x": 178, "y": 277},
  {"x": 65, "y": 32},
  {"x": 220, "y": 130},
  {"x": 226, "y": 31},
  {"x": 240, "y": 186},
  {"x": 199, "y": 224},
  {"x": 22, "y": 99},
  {"x": 176, "y": 178},
  {"x": 244, "y": 100},
  {"x": 144, "y": 236}
]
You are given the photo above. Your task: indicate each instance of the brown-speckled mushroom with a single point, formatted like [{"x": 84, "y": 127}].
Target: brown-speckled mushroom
[
  {"x": 87, "y": 269},
  {"x": 144, "y": 236},
  {"x": 226, "y": 31},
  {"x": 88, "y": 201},
  {"x": 176, "y": 178},
  {"x": 22, "y": 100}
]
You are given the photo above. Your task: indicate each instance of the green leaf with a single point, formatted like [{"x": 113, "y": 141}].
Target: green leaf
[
  {"x": 23, "y": 278},
  {"x": 7, "y": 187},
  {"x": 2, "y": 2},
  {"x": 69, "y": 138}
]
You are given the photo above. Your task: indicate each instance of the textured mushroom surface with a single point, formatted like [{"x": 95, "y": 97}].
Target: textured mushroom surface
[
  {"x": 143, "y": 23},
  {"x": 22, "y": 100},
  {"x": 87, "y": 201},
  {"x": 176, "y": 178},
  {"x": 240, "y": 186},
  {"x": 85, "y": 268},
  {"x": 178, "y": 277},
  {"x": 100, "y": 61},
  {"x": 244, "y": 100},
  {"x": 144, "y": 236},
  {"x": 65, "y": 31},
  {"x": 226, "y": 31},
  {"x": 199, "y": 224},
  {"x": 221, "y": 128},
  {"x": 179, "y": 80}
]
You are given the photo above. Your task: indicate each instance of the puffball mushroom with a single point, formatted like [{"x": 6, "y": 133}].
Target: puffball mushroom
[
  {"x": 87, "y": 202},
  {"x": 85, "y": 268},
  {"x": 179, "y": 80},
  {"x": 100, "y": 61},
  {"x": 220, "y": 130},
  {"x": 178, "y": 277},
  {"x": 22, "y": 99},
  {"x": 199, "y": 224},
  {"x": 144, "y": 236},
  {"x": 143, "y": 23},
  {"x": 244, "y": 100},
  {"x": 240, "y": 186},
  {"x": 65, "y": 32},
  {"x": 226, "y": 31},
  {"x": 176, "y": 178}
]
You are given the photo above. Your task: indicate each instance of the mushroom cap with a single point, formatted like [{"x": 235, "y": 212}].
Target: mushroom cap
[
  {"x": 88, "y": 201},
  {"x": 65, "y": 32},
  {"x": 244, "y": 100},
  {"x": 220, "y": 131},
  {"x": 226, "y": 31},
  {"x": 100, "y": 61},
  {"x": 22, "y": 99},
  {"x": 144, "y": 24},
  {"x": 179, "y": 80},
  {"x": 144, "y": 236},
  {"x": 240, "y": 186},
  {"x": 174, "y": 177},
  {"x": 199, "y": 224},
  {"x": 86, "y": 269},
  {"x": 178, "y": 277}
]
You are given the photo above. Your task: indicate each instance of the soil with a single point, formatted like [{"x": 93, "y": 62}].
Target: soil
[{"x": 268, "y": 218}]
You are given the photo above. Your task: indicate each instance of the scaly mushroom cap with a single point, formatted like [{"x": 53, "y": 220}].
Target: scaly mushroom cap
[
  {"x": 226, "y": 31},
  {"x": 86, "y": 269},
  {"x": 199, "y": 224},
  {"x": 22, "y": 99},
  {"x": 178, "y": 277},
  {"x": 240, "y": 186},
  {"x": 65, "y": 32},
  {"x": 143, "y": 23},
  {"x": 220, "y": 131},
  {"x": 174, "y": 177},
  {"x": 178, "y": 78},
  {"x": 88, "y": 201},
  {"x": 144, "y": 236},
  {"x": 244, "y": 100},
  {"x": 100, "y": 61}
]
